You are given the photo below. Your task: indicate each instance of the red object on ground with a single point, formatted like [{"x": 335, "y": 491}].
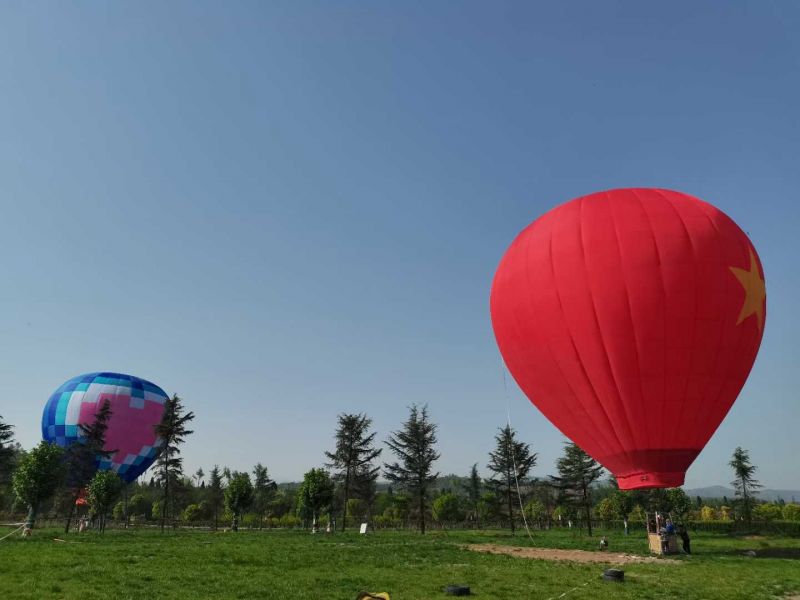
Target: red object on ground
[{"x": 631, "y": 318}]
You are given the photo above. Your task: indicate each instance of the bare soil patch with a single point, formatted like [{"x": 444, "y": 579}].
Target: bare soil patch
[{"x": 580, "y": 556}]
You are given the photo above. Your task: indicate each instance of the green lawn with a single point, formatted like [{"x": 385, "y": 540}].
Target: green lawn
[{"x": 294, "y": 564}]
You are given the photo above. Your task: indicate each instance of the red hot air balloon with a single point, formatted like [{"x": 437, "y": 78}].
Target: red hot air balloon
[{"x": 631, "y": 318}]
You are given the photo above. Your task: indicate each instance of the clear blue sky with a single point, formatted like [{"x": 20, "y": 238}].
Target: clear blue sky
[{"x": 282, "y": 211}]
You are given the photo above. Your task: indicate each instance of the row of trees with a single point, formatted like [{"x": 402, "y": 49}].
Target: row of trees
[
  {"x": 60, "y": 475},
  {"x": 346, "y": 486},
  {"x": 572, "y": 495},
  {"x": 412, "y": 472}
]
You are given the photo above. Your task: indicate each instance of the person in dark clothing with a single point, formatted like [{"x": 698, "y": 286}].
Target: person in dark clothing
[{"x": 684, "y": 533}]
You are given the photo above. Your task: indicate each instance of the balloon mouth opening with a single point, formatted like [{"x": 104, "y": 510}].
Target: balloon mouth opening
[{"x": 643, "y": 481}]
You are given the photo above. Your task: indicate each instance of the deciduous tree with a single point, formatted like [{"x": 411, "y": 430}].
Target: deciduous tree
[
  {"x": 447, "y": 508},
  {"x": 314, "y": 496},
  {"x": 38, "y": 475},
  {"x": 622, "y": 503},
  {"x": 140, "y": 506},
  {"x": 679, "y": 504},
  {"x": 238, "y": 496},
  {"x": 536, "y": 511},
  {"x": 101, "y": 493}
]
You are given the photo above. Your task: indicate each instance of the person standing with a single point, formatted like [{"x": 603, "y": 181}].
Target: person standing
[{"x": 684, "y": 533}]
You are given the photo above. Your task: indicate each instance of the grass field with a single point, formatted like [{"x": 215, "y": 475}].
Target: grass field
[{"x": 294, "y": 564}]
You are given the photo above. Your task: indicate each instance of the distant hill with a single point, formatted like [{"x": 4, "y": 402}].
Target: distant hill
[{"x": 720, "y": 491}]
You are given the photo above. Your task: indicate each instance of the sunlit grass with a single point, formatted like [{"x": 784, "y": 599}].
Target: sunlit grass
[{"x": 294, "y": 564}]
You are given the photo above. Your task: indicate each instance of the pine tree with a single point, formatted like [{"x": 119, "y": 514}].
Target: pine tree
[
  {"x": 216, "y": 494},
  {"x": 511, "y": 461},
  {"x": 83, "y": 456},
  {"x": 744, "y": 484},
  {"x": 171, "y": 432},
  {"x": 6, "y": 450},
  {"x": 353, "y": 456},
  {"x": 576, "y": 473},
  {"x": 414, "y": 447},
  {"x": 473, "y": 490},
  {"x": 263, "y": 491},
  {"x": 365, "y": 486}
]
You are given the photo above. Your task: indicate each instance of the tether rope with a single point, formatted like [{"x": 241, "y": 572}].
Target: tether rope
[
  {"x": 568, "y": 591},
  {"x": 513, "y": 457},
  {"x": 21, "y": 525}
]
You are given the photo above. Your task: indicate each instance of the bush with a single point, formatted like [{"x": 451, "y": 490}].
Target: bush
[
  {"x": 119, "y": 511},
  {"x": 605, "y": 510},
  {"x": 192, "y": 513},
  {"x": 707, "y": 514},
  {"x": 289, "y": 521},
  {"x": 156, "y": 509},
  {"x": 250, "y": 520},
  {"x": 767, "y": 512},
  {"x": 787, "y": 528},
  {"x": 395, "y": 513},
  {"x": 637, "y": 515},
  {"x": 791, "y": 512},
  {"x": 356, "y": 508},
  {"x": 489, "y": 507},
  {"x": 384, "y": 522},
  {"x": 535, "y": 511}
]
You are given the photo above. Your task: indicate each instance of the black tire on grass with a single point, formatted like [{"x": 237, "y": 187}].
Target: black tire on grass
[{"x": 457, "y": 590}]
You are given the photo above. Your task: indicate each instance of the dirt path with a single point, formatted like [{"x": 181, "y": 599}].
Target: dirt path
[{"x": 581, "y": 556}]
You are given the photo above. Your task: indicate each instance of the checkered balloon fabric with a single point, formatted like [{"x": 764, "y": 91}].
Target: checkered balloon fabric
[{"x": 136, "y": 408}]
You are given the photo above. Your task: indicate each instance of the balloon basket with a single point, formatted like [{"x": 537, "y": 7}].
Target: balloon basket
[{"x": 654, "y": 541}]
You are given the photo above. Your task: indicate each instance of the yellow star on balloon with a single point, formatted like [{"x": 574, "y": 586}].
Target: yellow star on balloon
[{"x": 755, "y": 292}]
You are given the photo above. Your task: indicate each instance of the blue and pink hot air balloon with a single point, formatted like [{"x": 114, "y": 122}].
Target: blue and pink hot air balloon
[{"x": 136, "y": 408}]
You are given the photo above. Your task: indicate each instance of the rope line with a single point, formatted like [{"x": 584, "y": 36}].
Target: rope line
[
  {"x": 13, "y": 532},
  {"x": 568, "y": 591},
  {"x": 513, "y": 458}
]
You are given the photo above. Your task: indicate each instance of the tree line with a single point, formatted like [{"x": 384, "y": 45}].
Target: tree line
[{"x": 346, "y": 487}]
